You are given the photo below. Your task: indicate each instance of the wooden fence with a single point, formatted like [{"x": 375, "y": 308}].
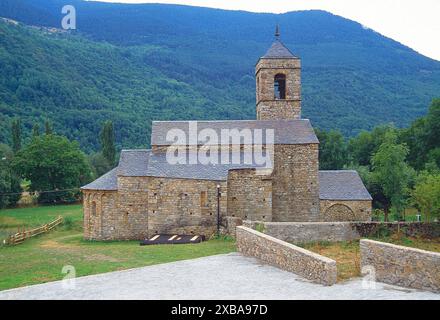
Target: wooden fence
[{"x": 19, "y": 237}]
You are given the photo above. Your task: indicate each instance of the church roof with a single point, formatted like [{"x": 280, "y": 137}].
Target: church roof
[
  {"x": 160, "y": 167},
  {"x": 278, "y": 51},
  {"x": 333, "y": 185},
  {"x": 342, "y": 185},
  {"x": 133, "y": 163},
  {"x": 285, "y": 131},
  {"x": 107, "y": 182}
]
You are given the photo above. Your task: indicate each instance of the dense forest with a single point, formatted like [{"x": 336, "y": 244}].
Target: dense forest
[{"x": 136, "y": 63}]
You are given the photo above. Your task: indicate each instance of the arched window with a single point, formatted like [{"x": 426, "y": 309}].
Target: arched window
[{"x": 280, "y": 86}]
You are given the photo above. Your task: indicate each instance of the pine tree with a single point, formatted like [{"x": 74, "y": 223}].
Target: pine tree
[
  {"x": 36, "y": 130},
  {"x": 16, "y": 135},
  {"x": 48, "y": 127},
  {"x": 107, "y": 137}
]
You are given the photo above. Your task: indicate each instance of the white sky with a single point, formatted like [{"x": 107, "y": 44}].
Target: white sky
[{"x": 415, "y": 23}]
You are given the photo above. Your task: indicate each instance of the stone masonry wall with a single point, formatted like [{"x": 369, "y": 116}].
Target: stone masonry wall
[
  {"x": 249, "y": 195},
  {"x": 279, "y": 110},
  {"x": 295, "y": 183},
  {"x": 332, "y": 211},
  {"x": 176, "y": 206},
  {"x": 100, "y": 210},
  {"x": 402, "y": 266},
  {"x": 132, "y": 218},
  {"x": 303, "y": 232},
  {"x": 286, "y": 256},
  {"x": 426, "y": 230},
  {"x": 267, "y": 107},
  {"x": 144, "y": 206}
]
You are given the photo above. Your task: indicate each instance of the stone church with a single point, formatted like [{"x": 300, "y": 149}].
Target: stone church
[{"x": 146, "y": 194}]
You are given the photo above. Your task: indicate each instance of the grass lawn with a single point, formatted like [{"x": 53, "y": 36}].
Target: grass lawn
[
  {"x": 347, "y": 254},
  {"x": 42, "y": 258}
]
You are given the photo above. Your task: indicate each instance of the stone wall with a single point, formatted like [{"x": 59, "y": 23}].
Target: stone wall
[
  {"x": 144, "y": 206},
  {"x": 249, "y": 195},
  {"x": 303, "y": 232},
  {"x": 132, "y": 218},
  {"x": 402, "y": 266},
  {"x": 100, "y": 210},
  {"x": 345, "y": 210},
  {"x": 286, "y": 256},
  {"x": 181, "y": 206},
  {"x": 428, "y": 230},
  {"x": 267, "y": 107},
  {"x": 279, "y": 109},
  {"x": 230, "y": 225},
  {"x": 295, "y": 183}
]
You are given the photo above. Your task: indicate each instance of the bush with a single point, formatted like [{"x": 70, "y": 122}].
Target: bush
[{"x": 68, "y": 223}]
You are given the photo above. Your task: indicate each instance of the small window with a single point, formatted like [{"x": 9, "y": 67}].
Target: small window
[
  {"x": 203, "y": 199},
  {"x": 280, "y": 87}
]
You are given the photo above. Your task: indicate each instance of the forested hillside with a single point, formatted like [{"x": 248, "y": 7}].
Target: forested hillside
[
  {"x": 78, "y": 84},
  {"x": 137, "y": 63}
]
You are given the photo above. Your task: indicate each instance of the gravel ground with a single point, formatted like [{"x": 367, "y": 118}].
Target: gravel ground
[{"x": 222, "y": 277}]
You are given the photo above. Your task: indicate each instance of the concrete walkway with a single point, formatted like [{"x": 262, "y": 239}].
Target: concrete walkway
[{"x": 230, "y": 276}]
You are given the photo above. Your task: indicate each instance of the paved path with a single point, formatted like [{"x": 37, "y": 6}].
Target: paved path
[{"x": 230, "y": 276}]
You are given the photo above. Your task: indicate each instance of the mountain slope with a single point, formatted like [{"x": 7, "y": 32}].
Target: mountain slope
[
  {"x": 353, "y": 78},
  {"x": 77, "y": 84}
]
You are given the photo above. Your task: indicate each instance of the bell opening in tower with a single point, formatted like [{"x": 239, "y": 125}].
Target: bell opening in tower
[{"x": 280, "y": 87}]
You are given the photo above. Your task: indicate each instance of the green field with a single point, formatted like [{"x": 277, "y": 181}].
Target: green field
[{"x": 42, "y": 258}]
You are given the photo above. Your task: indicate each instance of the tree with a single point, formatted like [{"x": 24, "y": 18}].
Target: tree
[
  {"x": 423, "y": 138},
  {"x": 107, "y": 137},
  {"x": 362, "y": 147},
  {"x": 53, "y": 163},
  {"x": 391, "y": 172},
  {"x": 47, "y": 127},
  {"x": 426, "y": 195},
  {"x": 99, "y": 164},
  {"x": 16, "y": 135},
  {"x": 415, "y": 137},
  {"x": 332, "y": 150},
  {"x": 10, "y": 188},
  {"x": 36, "y": 130},
  {"x": 433, "y": 125}
]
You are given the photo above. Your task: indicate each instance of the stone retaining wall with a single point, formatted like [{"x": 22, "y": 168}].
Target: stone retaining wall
[
  {"x": 428, "y": 230},
  {"x": 303, "y": 232},
  {"x": 286, "y": 256},
  {"x": 402, "y": 266}
]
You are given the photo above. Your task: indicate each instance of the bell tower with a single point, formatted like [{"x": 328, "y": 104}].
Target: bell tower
[{"x": 278, "y": 76}]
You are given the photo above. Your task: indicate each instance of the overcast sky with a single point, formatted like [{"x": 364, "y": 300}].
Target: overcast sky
[{"x": 415, "y": 23}]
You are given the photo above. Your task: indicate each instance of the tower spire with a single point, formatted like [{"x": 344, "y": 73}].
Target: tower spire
[{"x": 277, "y": 32}]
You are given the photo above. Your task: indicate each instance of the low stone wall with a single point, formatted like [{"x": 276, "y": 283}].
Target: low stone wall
[
  {"x": 428, "y": 230},
  {"x": 303, "y": 232},
  {"x": 230, "y": 225},
  {"x": 286, "y": 256},
  {"x": 402, "y": 266}
]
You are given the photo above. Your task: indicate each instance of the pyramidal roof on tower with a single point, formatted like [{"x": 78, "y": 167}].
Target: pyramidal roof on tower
[{"x": 278, "y": 50}]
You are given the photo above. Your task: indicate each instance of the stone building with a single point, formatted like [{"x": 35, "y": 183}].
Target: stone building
[{"x": 148, "y": 194}]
